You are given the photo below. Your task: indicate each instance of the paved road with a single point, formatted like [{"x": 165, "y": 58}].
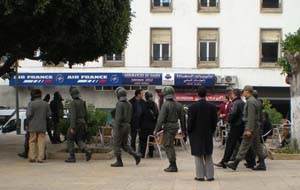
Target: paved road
[{"x": 18, "y": 174}]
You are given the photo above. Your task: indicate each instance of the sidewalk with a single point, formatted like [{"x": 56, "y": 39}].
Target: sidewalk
[{"x": 17, "y": 174}]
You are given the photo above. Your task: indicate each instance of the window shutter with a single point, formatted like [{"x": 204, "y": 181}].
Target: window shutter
[
  {"x": 161, "y": 36},
  {"x": 208, "y": 34},
  {"x": 270, "y": 35}
]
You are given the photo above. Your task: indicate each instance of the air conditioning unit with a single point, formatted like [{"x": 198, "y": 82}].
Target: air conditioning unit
[
  {"x": 230, "y": 79},
  {"x": 218, "y": 79}
]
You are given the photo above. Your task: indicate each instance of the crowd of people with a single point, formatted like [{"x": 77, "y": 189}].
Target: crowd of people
[{"x": 141, "y": 117}]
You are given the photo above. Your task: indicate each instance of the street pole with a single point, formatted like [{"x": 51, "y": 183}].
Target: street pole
[{"x": 18, "y": 129}]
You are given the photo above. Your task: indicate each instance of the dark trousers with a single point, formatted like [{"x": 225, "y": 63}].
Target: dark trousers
[
  {"x": 26, "y": 143},
  {"x": 120, "y": 138},
  {"x": 234, "y": 137},
  {"x": 143, "y": 136},
  {"x": 56, "y": 137},
  {"x": 133, "y": 135},
  {"x": 76, "y": 137},
  {"x": 250, "y": 157}
]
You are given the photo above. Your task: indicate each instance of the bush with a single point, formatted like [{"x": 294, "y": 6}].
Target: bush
[
  {"x": 274, "y": 115},
  {"x": 96, "y": 119}
]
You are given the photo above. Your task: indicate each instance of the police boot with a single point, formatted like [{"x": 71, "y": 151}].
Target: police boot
[
  {"x": 137, "y": 158},
  {"x": 261, "y": 166},
  {"x": 233, "y": 165},
  {"x": 71, "y": 159},
  {"x": 172, "y": 167},
  {"x": 118, "y": 163},
  {"x": 88, "y": 155}
]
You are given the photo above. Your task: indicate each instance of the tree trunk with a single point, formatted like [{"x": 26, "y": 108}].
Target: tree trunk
[{"x": 295, "y": 106}]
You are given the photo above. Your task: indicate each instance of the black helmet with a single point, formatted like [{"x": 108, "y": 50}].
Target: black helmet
[
  {"x": 148, "y": 95},
  {"x": 75, "y": 93},
  {"x": 121, "y": 93},
  {"x": 169, "y": 92}
]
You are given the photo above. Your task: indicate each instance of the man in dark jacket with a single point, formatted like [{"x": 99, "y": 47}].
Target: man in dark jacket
[
  {"x": 77, "y": 129},
  {"x": 57, "y": 109},
  {"x": 149, "y": 118},
  {"x": 37, "y": 113},
  {"x": 137, "y": 103},
  {"x": 251, "y": 137},
  {"x": 235, "y": 120},
  {"x": 171, "y": 112},
  {"x": 202, "y": 122},
  {"x": 121, "y": 127}
]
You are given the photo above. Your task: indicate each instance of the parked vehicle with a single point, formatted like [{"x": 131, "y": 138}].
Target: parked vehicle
[{"x": 11, "y": 125}]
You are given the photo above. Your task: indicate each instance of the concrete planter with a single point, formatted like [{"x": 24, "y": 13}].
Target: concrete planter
[
  {"x": 283, "y": 156},
  {"x": 59, "y": 152}
]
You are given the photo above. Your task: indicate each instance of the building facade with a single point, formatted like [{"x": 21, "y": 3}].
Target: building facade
[{"x": 236, "y": 41}]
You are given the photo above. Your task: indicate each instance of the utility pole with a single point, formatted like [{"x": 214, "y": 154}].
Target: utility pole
[{"x": 18, "y": 129}]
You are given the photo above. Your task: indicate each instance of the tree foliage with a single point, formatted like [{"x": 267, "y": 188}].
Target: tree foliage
[
  {"x": 290, "y": 62},
  {"x": 274, "y": 115},
  {"x": 73, "y": 31}
]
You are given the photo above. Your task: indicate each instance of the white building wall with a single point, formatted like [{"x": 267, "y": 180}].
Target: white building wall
[{"x": 239, "y": 23}]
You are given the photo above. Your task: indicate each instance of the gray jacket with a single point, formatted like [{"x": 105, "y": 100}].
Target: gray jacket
[
  {"x": 37, "y": 113},
  {"x": 252, "y": 115}
]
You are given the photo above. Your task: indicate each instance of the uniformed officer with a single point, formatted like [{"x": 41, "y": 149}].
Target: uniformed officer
[
  {"x": 121, "y": 128},
  {"x": 251, "y": 138},
  {"x": 78, "y": 119},
  {"x": 171, "y": 112}
]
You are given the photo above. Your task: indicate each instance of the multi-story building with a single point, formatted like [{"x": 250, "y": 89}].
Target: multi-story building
[{"x": 184, "y": 43}]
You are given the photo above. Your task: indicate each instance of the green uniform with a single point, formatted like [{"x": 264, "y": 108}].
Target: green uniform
[
  {"x": 252, "y": 119},
  {"x": 168, "y": 117},
  {"x": 78, "y": 118},
  {"x": 122, "y": 127}
]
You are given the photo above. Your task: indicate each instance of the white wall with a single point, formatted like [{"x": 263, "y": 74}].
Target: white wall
[{"x": 239, "y": 23}]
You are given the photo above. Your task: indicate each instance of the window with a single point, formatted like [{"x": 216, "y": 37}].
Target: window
[
  {"x": 114, "y": 60},
  {"x": 208, "y": 6},
  {"x": 208, "y": 47},
  {"x": 161, "y": 5},
  {"x": 161, "y": 47},
  {"x": 270, "y": 47},
  {"x": 271, "y": 6}
]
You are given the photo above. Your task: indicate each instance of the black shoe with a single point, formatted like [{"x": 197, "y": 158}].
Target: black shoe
[
  {"x": 221, "y": 165},
  {"x": 88, "y": 156},
  {"x": 211, "y": 179},
  {"x": 23, "y": 155},
  {"x": 233, "y": 165},
  {"x": 250, "y": 166},
  {"x": 261, "y": 166},
  {"x": 71, "y": 159},
  {"x": 118, "y": 163},
  {"x": 137, "y": 159},
  {"x": 172, "y": 167},
  {"x": 199, "y": 179}
]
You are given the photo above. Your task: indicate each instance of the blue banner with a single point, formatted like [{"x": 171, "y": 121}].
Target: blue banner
[
  {"x": 194, "y": 79},
  {"x": 68, "y": 79},
  {"x": 142, "y": 79}
]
